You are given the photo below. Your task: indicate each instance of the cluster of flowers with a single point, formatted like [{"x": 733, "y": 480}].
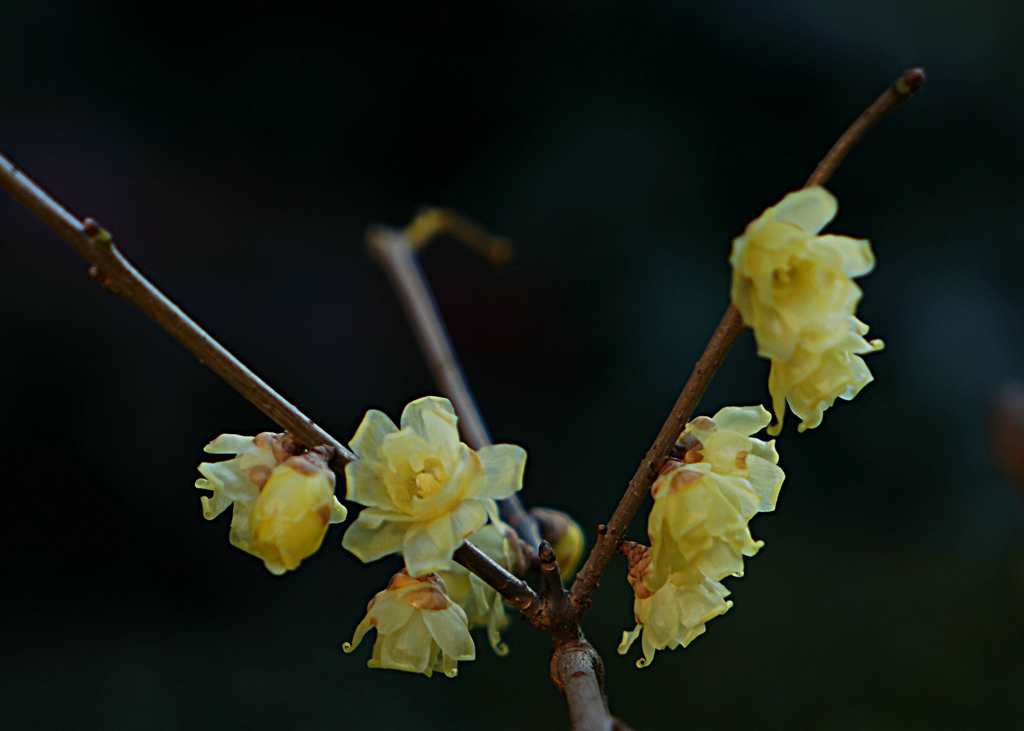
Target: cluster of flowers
[
  {"x": 424, "y": 491},
  {"x": 794, "y": 289},
  {"x": 698, "y": 527}
]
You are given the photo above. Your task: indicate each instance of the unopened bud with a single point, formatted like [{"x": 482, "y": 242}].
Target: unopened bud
[{"x": 565, "y": 536}]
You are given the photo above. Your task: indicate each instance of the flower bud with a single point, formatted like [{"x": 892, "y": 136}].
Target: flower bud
[
  {"x": 565, "y": 536},
  {"x": 291, "y": 515},
  {"x": 281, "y": 500}
]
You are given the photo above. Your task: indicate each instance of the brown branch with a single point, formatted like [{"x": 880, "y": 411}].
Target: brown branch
[
  {"x": 578, "y": 673},
  {"x": 722, "y": 340},
  {"x": 615, "y": 532},
  {"x": 575, "y": 664},
  {"x": 119, "y": 277},
  {"x": 902, "y": 89},
  {"x": 555, "y": 598},
  {"x": 512, "y": 589},
  {"x": 396, "y": 255}
]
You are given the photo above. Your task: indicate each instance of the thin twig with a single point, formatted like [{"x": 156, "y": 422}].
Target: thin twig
[
  {"x": 902, "y": 89},
  {"x": 119, "y": 277},
  {"x": 608, "y": 540},
  {"x": 722, "y": 340},
  {"x": 555, "y": 597},
  {"x": 513, "y": 590},
  {"x": 396, "y": 255}
]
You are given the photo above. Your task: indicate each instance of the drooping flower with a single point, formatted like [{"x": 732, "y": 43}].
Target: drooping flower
[
  {"x": 482, "y": 604},
  {"x": 702, "y": 503},
  {"x": 673, "y": 615},
  {"x": 419, "y": 628},
  {"x": 703, "y": 499},
  {"x": 424, "y": 490},
  {"x": 282, "y": 497},
  {"x": 795, "y": 290}
]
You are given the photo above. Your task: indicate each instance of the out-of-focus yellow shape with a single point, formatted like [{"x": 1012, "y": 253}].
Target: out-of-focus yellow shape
[
  {"x": 698, "y": 526},
  {"x": 283, "y": 502},
  {"x": 482, "y": 604},
  {"x": 430, "y": 221},
  {"x": 419, "y": 629},
  {"x": 424, "y": 490},
  {"x": 795, "y": 290}
]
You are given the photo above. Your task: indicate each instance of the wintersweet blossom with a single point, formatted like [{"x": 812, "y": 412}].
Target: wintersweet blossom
[
  {"x": 703, "y": 501},
  {"x": 419, "y": 628},
  {"x": 283, "y": 498},
  {"x": 795, "y": 290},
  {"x": 482, "y": 604},
  {"x": 673, "y": 615},
  {"x": 424, "y": 490}
]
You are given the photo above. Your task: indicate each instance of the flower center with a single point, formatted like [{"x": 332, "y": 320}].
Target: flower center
[{"x": 429, "y": 481}]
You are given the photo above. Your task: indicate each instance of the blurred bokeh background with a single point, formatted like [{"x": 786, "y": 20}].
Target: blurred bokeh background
[{"x": 238, "y": 157}]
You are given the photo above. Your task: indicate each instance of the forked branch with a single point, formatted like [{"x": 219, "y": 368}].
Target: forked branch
[
  {"x": 394, "y": 251},
  {"x": 722, "y": 340}
]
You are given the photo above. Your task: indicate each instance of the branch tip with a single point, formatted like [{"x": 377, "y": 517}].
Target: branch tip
[{"x": 910, "y": 82}]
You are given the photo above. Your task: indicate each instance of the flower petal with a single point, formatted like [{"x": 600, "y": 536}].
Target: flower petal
[
  {"x": 429, "y": 547},
  {"x": 746, "y": 420},
  {"x": 370, "y": 542},
  {"x": 370, "y": 435},
  {"x": 810, "y": 209},
  {"x": 410, "y": 649},
  {"x": 433, "y": 418},
  {"x": 450, "y": 631},
  {"x": 467, "y": 518},
  {"x": 853, "y": 256},
  {"x": 503, "y": 468},
  {"x": 228, "y": 444}
]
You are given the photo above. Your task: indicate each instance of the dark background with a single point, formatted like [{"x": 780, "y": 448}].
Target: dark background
[{"x": 238, "y": 159}]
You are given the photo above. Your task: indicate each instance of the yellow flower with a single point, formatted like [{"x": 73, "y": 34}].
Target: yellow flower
[
  {"x": 283, "y": 500},
  {"x": 419, "y": 629},
  {"x": 291, "y": 515},
  {"x": 702, "y": 504},
  {"x": 794, "y": 289},
  {"x": 424, "y": 490},
  {"x": 482, "y": 604},
  {"x": 698, "y": 526},
  {"x": 673, "y": 615}
]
